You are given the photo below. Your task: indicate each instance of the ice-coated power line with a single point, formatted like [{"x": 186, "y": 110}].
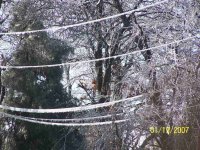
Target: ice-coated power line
[
  {"x": 100, "y": 59},
  {"x": 72, "y": 109},
  {"x": 63, "y": 124},
  {"x": 75, "y": 119},
  {"x": 55, "y": 28}
]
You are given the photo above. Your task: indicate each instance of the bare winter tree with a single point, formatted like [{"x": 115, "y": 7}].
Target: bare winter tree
[{"x": 167, "y": 76}]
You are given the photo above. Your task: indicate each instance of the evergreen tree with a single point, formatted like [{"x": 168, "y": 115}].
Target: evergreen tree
[{"x": 37, "y": 88}]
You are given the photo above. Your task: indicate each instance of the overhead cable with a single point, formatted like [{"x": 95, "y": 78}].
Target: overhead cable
[
  {"x": 71, "y": 109},
  {"x": 56, "y": 28},
  {"x": 74, "y": 119},
  {"x": 99, "y": 59},
  {"x": 63, "y": 124}
]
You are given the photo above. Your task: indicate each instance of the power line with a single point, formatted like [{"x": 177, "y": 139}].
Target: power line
[
  {"x": 64, "y": 124},
  {"x": 54, "y": 28},
  {"x": 100, "y": 59},
  {"x": 75, "y": 119},
  {"x": 72, "y": 109}
]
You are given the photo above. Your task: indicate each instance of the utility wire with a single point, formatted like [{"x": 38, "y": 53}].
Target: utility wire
[
  {"x": 55, "y": 28},
  {"x": 100, "y": 59},
  {"x": 75, "y": 119},
  {"x": 70, "y": 124},
  {"x": 72, "y": 109},
  {"x": 63, "y": 124}
]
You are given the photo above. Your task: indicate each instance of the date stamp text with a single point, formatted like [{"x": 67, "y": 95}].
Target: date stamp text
[{"x": 169, "y": 130}]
